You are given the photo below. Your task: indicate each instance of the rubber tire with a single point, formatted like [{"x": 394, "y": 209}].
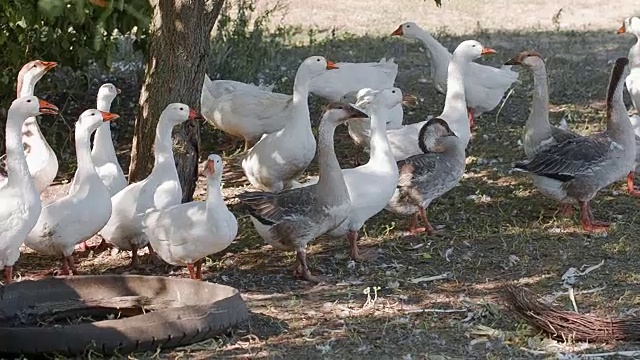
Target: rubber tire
[{"x": 209, "y": 309}]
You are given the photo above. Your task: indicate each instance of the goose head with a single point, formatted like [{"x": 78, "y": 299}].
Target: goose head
[
  {"x": 314, "y": 66},
  {"x": 177, "y": 113},
  {"x": 530, "y": 59},
  {"x": 107, "y": 93},
  {"x": 90, "y": 120},
  {"x": 385, "y": 99},
  {"x": 433, "y": 135},
  {"x": 32, "y": 72},
  {"x": 630, "y": 25},
  {"x": 338, "y": 113},
  {"x": 470, "y": 50},
  {"x": 213, "y": 167},
  {"x": 30, "y": 106},
  {"x": 408, "y": 29}
]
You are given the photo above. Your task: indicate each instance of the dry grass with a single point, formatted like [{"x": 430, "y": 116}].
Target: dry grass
[
  {"x": 488, "y": 241},
  {"x": 459, "y": 17}
]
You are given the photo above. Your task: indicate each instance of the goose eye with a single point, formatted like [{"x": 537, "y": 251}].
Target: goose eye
[
  {"x": 408, "y": 26},
  {"x": 393, "y": 91},
  {"x": 474, "y": 45},
  {"x": 34, "y": 66},
  {"x": 181, "y": 109},
  {"x": 28, "y": 101}
]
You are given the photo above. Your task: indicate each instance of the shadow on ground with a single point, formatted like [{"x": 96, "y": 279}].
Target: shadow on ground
[{"x": 505, "y": 235}]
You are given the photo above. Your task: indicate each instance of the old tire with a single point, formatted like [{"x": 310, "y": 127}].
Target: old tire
[{"x": 185, "y": 312}]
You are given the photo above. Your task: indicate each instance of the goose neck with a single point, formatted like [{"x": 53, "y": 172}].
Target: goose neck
[
  {"x": 539, "y": 116},
  {"x": 455, "y": 102},
  {"x": 102, "y": 141},
  {"x": 214, "y": 201},
  {"x": 634, "y": 53},
  {"x": 17, "y": 168},
  {"x": 618, "y": 123},
  {"x": 330, "y": 174},
  {"x": 83, "y": 152},
  {"x": 379, "y": 145},
  {"x": 433, "y": 46},
  {"x": 163, "y": 151},
  {"x": 26, "y": 87}
]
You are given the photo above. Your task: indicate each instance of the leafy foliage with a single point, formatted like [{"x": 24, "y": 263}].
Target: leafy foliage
[
  {"x": 243, "y": 43},
  {"x": 71, "y": 32}
]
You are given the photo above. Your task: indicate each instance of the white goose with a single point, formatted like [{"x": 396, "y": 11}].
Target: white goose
[
  {"x": 404, "y": 141},
  {"x": 632, "y": 25},
  {"x": 281, "y": 157},
  {"x": 184, "y": 234},
  {"x": 371, "y": 185},
  {"x": 42, "y": 161},
  {"x": 20, "y": 199},
  {"x": 244, "y": 110},
  {"x": 484, "y": 85},
  {"x": 160, "y": 190},
  {"x": 103, "y": 154},
  {"x": 351, "y": 77},
  {"x": 80, "y": 214}
]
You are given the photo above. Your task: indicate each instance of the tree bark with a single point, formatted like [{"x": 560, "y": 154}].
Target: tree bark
[{"x": 179, "y": 44}]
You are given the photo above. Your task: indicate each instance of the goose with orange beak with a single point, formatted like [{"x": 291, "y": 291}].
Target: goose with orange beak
[
  {"x": 20, "y": 199},
  {"x": 184, "y": 234},
  {"x": 484, "y": 85},
  {"x": 79, "y": 215},
  {"x": 279, "y": 158},
  {"x": 41, "y": 159},
  {"x": 631, "y": 25}
]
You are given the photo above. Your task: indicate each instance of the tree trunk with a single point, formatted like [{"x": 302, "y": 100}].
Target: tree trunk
[{"x": 179, "y": 42}]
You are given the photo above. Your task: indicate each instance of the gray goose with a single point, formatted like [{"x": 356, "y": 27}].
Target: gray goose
[
  {"x": 425, "y": 177},
  {"x": 290, "y": 219},
  {"x": 539, "y": 135},
  {"x": 579, "y": 167}
]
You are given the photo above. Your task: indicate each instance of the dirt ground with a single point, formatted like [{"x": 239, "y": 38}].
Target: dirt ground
[{"x": 495, "y": 228}]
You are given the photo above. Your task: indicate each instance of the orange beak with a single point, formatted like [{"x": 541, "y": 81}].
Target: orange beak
[
  {"x": 398, "y": 31},
  {"x": 107, "y": 116},
  {"x": 47, "y": 108},
  {"x": 331, "y": 65},
  {"x": 486, "y": 50},
  {"x": 211, "y": 167},
  {"x": 621, "y": 30},
  {"x": 194, "y": 115},
  {"x": 48, "y": 65},
  {"x": 118, "y": 91}
]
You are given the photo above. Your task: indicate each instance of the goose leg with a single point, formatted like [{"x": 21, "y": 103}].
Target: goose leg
[
  {"x": 428, "y": 228},
  {"x": 471, "y": 118},
  {"x": 71, "y": 264},
  {"x": 302, "y": 268},
  {"x": 247, "y": 145},
  {"x": 630, "y": 187},
  {"x": 192, "y": 272},
  {"x": 199, "y": 269},
  {"x": 587, "y": 219},
  {"x": 83, "y": 246},
  {"x": 103, "y": 246},
  {"x": 8, "y": 275},
  {"x": 134, "y": 257},
  {"x": 353, "y": 248},
  {"x": 414, "y": 223},
  {"x": 413, "y": 227}
]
